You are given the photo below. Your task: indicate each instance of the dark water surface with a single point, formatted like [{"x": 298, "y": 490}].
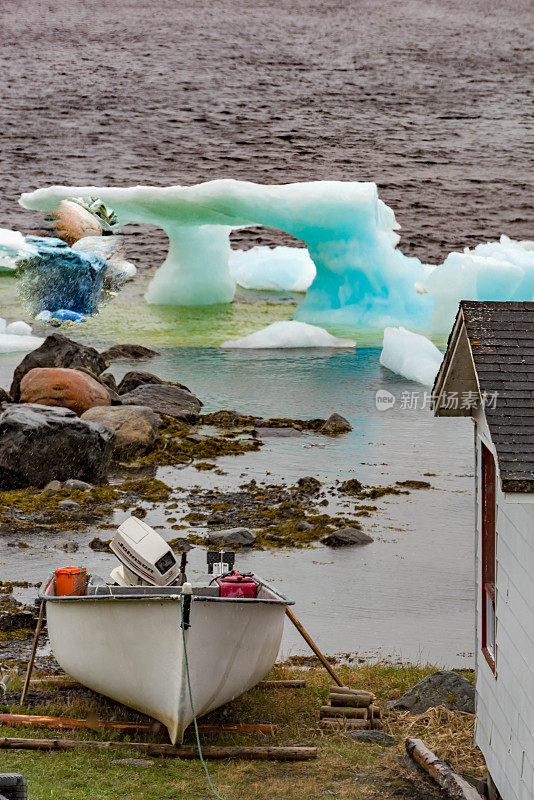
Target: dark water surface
[{"x": 432, "y": 99}]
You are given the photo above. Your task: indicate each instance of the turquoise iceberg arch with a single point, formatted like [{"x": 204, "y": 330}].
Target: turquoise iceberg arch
[{"x": 362, "y": 279}]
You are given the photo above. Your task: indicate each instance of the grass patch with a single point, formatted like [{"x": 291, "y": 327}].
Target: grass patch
[{"x": 344, "y": 768}]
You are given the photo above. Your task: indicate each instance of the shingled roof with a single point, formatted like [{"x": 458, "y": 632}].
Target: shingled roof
[{"x": 490, "y": 352}]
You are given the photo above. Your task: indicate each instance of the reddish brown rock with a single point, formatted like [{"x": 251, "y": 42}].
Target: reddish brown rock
[{"x": 68, "y": 388}]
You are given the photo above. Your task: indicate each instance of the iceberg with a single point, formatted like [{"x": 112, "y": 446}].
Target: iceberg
[
  {"x": 350, "y": 233},
  {"x": 282, "y": 269},
  {"x": 502, "y": 270},
  {"x": 289, "y": 333},
  {"x": 361, "y": 278},
  {"x": 411, "y": 355},
  {"x": 12, "y": 245}
]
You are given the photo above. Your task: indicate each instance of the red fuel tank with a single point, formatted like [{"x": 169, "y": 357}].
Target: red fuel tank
[{"x": 237, "y": 585}]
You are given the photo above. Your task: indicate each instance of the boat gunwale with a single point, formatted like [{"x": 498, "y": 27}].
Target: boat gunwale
[{"x": 154, "y": 597}]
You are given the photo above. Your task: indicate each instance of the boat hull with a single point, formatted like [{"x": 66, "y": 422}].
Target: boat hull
[{"x": 132, "y": 651}]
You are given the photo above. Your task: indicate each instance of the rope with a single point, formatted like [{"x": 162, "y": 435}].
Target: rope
[{"x": 192, "y": 706}]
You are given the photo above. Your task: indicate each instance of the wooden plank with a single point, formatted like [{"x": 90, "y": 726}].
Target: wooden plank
[
  {"x": 68, "y": 723},
  {"x": 327, "y": 712},
  {"x": 307, "y": 638},
  {"x": 341, "y": 724},
  {"x": 166, "y": 750},
  {"x": 453, "y": 784},
  {"x": 335, "y": 690}
]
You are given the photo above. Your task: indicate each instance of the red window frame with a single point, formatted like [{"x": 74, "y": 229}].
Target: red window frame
[{"x": 489, "y": 515}]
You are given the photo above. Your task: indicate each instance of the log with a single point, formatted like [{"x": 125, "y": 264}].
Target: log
[
  {"x": 334, "y": 690},
  {"x": 350, "y": 699},
  {"x": 327, "y": 712},
  {"x": 297, "y": 684},
  {"x": 453, "y": 784},
  {"x": 375, "y": 712},
  {"x": 167, "y": 750},
  {"x": 57, "y": 680},
  {"x": 68, "y": 723},
  {"x": 343, "y": 724}
]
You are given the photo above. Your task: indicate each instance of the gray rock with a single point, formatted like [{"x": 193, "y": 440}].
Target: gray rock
[
  {"x": 4, "y": 396},
  {"x": 52, "y": 487},
  {"x": 74, "y": 485},
  {"x": 442, "y": 688},
  {"x": 133, "y": 762},
  {"x": 39, "y": 444},
  {"x": 58, "y": 351},
  {"x": 134, "y": 351},
  {"x": 302, "y": 525},
  {"x": 136, "y": 427},
  {"x": 377, "y": 737},
  {"x": 70, "y": 547},
  {"x": 346, "y": 536},
  {"x": 137, "y": 378},
  {"x": 336, "y": 424},
  {"x": 243, "y": 536},
  {"x": 278, "y": 433},
  {"x": 69, "y": 505},
  {"x": 164, "y": 399}
]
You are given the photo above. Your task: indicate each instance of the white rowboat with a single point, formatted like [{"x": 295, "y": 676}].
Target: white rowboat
[{"x": 126, "y": 643}]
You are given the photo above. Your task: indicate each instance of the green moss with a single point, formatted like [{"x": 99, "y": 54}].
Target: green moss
[
  {"x": 203, "y": 465},
  {"x": 150, "y": 489}
]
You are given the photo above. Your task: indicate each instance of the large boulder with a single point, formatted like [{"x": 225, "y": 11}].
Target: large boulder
[
  {"x": 68, "y": 388},
  {"x": 164, "y": 399},
  {"x": 39, "y": 444},
  {"x": 335, "y": 424},
  {"x": 236, "y": 536},
  {"x": 442, "y": 688},
  {"x": 133, "y": 351},
  {"x": 136, "y": 427},
  {"x": 137, "y": 378},
  {"x": 346, "y": 536},
  {"x": 58, "y": 351}
]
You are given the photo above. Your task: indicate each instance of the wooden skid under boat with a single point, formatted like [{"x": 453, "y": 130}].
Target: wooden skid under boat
[{"x": 126, "y": 643}]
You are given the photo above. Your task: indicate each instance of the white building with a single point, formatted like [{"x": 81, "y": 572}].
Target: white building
[{"x": 488, "y": 374}]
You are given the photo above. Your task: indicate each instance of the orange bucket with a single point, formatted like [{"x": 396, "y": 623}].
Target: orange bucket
[{"x": 70, "y": 581}]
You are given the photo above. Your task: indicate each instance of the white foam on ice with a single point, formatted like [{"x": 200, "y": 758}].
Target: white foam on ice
[
  {"x": 289, "y": 333},
  {"x": 279, "y": 269},
  {"x": 411, "y": 355}
]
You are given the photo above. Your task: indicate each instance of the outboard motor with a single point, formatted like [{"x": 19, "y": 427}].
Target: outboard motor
[{"x": 147, "y": 559}]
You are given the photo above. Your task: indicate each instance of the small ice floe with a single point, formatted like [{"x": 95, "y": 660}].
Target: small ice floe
[
  {"x": 411, "y": 355},
  {"x": 282, "y": 269},
  {"x": 16, "y": 337},
  {"x": 289, "y": 333}
]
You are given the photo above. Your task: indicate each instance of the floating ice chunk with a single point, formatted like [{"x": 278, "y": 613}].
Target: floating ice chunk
[
  {"x": 282, "y": 269},
  {"x": 19, "y": 328},
  {"x": 502, "y": 270},
  {"x": 411, "y": 355},
  {"x": 289, "y": 333},
  {"x": 14, "y": 343},
  {"x": 12, "y": 244}
]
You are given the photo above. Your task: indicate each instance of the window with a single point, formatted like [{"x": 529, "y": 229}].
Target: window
[{"x": 488, "y": 555}]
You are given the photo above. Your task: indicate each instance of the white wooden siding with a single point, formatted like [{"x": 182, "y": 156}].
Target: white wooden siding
[{"x": 505, "y": 701}]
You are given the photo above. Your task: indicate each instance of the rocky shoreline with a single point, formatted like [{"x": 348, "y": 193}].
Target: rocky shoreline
[{"x": 76, "y": 447}]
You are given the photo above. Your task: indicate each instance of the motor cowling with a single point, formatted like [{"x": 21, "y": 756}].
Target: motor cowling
[{"x": 236, "y": 585}]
